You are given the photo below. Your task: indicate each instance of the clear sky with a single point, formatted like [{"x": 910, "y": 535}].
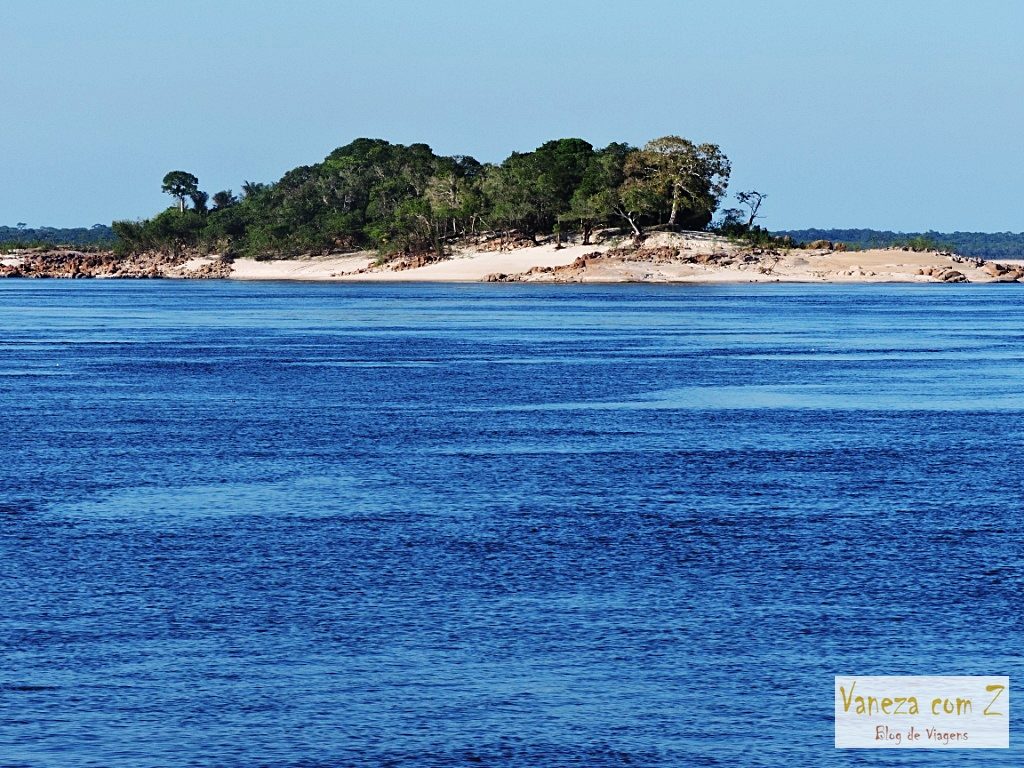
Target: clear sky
[{"x": 894, "y": 114}]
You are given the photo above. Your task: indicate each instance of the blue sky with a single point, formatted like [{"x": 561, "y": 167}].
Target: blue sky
[{"x": 901, "y": 115}]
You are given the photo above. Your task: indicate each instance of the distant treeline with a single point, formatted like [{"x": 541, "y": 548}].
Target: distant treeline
[
  {"x": 98, "y": 235},
  {"x": 985, "y": 245},
  {"x": 398, "y": 198}
]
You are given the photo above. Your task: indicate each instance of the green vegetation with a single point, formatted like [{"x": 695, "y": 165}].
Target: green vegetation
[
  {"x": 923, "y": 243},
  {"x": 406, "y": 199},
  {"x": 738, "y": 223},
  {"x": 997, "y": 245},
  {"x": 181, "y": 184},
  {"x": 22, "y": 236}
]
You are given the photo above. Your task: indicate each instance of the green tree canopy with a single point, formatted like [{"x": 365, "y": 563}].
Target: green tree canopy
[
  {"x": 224, "y": 199},
  {"x": 397, "y": 197},
  {"x": 180, "y": 184},
  {"x": 690, "y": 179}
]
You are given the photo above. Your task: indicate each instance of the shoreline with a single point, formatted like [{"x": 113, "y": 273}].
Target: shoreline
[{"x": 669, "y": 258}]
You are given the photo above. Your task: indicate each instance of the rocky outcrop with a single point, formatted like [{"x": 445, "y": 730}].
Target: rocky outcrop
[
  {"x": 1003, "y": 273},
  {"x": 71, "y": 264},
  {"x": 944, "y": 274},
  {"x": 413, "y": 261},
  {"x": 218, "y": 269},
  {"x": 510, "y": 241},
  {"x": 672, "y": 255}
]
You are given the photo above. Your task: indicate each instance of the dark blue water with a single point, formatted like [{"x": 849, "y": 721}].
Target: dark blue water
[{"x": 501, "y": 525}]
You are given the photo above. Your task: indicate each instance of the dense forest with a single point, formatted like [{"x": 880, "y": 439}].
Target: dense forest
[
  {"x": 22, "y": 235},
  {"x": 407, "y": 199},
  {"x": 995, "y": 245}
]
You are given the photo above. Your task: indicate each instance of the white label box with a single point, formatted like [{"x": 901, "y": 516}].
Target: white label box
[{"x": 922, "y": 712}]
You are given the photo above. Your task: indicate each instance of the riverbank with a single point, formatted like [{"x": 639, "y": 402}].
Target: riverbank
[
  {"x": 662, "y": 258},
  {"x": 64, "y": 263}
]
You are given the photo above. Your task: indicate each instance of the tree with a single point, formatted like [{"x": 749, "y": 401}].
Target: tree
[
  {"x": 686, "y": 177},
  {"x": 636, "y": 198},
  {"x": 132, "y": 236},
  {"x": 518, "y": 199},
  {"x": 199, "y": 201},
  {"x": 453, "y": 192},
  {"x": 372, "y": 193},
  {"x": 175, "y": 229},
  {"x": 224, "y": 199},
  {"x": 252, "y": 188},
  {"x": 562, "y": 165},
  {"x": 596, "y": 196},
  {"x": 180, "y": 184},
  {"x": 752, "y": 199}
]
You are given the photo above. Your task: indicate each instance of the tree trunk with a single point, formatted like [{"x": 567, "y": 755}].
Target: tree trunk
[
  {"x": 675, "y": 207},
  {"x": 624, "y": 214},
  {"x": 181, "y": 205},
  {"x": 636, "y": 230},
  {"x": 587, "y": 230}
]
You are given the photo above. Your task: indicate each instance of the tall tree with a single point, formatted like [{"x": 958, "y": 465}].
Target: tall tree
[
  {"x": 180, "y": 184},
  {"x": 691, "y": 178},
  {"x": 562, "y": 165}
]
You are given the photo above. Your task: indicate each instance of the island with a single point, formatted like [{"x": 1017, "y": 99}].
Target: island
[{"x": 564, "y": 212}]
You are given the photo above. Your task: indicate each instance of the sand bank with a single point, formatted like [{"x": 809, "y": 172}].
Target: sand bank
[
  {"x": 683, "y": 258},
  {"x": 688, "y": 257},
  {"x": 462, "y": 266}
]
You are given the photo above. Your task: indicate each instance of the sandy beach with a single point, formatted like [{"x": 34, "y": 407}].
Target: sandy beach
[
  {"x": 663, "y": 257},
  {"x": 684, "y": 257},
  {"x": 462, "y": 266}
]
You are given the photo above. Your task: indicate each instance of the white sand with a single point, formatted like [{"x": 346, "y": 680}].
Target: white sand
[
  {"x": 467, "y": 266},
  {"x": 797, "y": 266},
  {"x": 319, "y": 268},
  {"x": 792, "y": 265}
]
